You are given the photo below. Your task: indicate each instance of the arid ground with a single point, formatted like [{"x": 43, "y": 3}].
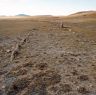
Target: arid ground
[{"x": 46, "y": 55}]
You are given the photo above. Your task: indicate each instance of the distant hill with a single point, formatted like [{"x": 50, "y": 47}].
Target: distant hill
[
  {"x": 22, "y": 15},
  {"x": 84, "y": 14},
  {"x": 45, "y": 15}
]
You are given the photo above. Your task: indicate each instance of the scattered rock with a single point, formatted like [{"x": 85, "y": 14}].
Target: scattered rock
[
  {"x": 15, "y": 52},
  {"x": 83, "y": 78},
  {"x": 48, "y": 78},
  {"x": 54, "y": 88},
  {"x": 74, "y": 72},
  {"x": 66, "y": 88},
  {"x": 8, "y": 51},
  {"x": 17, "y": 86},
  {"x": 82, "y": 90},
  {"x": 42, "y": 66},
  {"x": 28, "y": 64},
  {"x": 16, "y": 72}
]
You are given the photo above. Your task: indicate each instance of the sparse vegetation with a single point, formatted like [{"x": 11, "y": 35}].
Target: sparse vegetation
[{"x": 49, "y": 58}]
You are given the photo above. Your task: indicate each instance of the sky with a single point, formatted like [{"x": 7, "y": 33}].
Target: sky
[{"x": 45, "y": 7}]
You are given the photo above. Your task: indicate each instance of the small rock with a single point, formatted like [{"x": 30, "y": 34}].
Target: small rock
[
  {"x": 3, "y": 87},
  {"x": 8, "y": 51}
]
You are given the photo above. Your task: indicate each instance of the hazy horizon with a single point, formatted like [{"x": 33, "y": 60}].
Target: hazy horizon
[{"x": 42, "y": 7}]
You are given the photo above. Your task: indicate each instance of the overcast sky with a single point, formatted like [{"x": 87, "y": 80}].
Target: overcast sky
[{"x": 45, "y": 7}]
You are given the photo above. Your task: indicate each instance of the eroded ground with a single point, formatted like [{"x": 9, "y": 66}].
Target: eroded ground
[{"x": 50, "y": 60}]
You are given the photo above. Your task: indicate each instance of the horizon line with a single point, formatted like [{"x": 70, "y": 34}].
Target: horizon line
[{"x": 25, "y": 14}]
